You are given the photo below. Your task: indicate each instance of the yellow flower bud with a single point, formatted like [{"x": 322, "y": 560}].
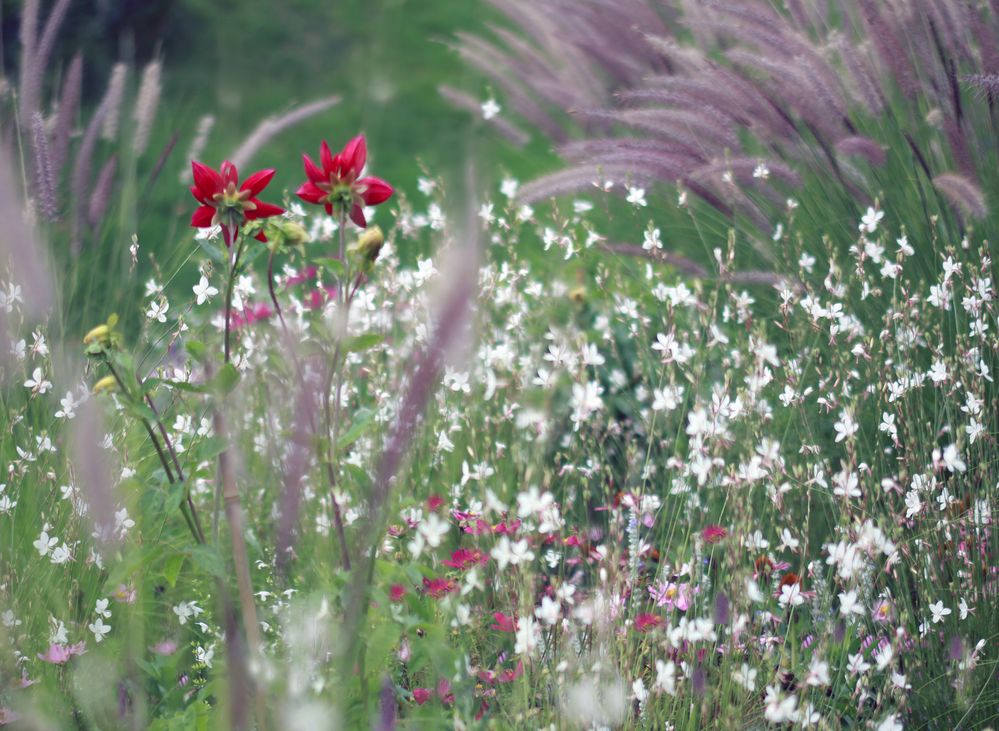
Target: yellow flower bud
[
  {"x": 98, "y": 334},
  {"x": 578, "y": 295},
  {"x": 108, "y": 383}
]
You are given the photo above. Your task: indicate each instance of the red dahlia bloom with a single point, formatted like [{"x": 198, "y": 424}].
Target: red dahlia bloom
[
  {"x": 339, "y": 183},
  {"x": 227, "y": 204}
]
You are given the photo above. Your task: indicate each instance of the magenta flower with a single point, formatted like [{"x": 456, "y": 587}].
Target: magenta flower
[{"x": 670, "y": 594}]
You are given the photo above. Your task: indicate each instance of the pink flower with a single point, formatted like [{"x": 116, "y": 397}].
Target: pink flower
[
  {"x": 421, "y": 695},
  {"x": 397, "y": 592},
  {"x": 671, "y": 595},
  {"x": 164, "y": 647},
  {"x": 250, "y": 315},
  {"x": 60, "y": 654}
]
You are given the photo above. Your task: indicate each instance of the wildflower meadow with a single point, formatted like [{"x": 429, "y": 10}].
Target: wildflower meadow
[{"x": 502, "y": 364}]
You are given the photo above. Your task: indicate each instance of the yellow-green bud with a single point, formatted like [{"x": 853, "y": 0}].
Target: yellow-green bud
[
  {"x": 578, "y": 295},
  {"x": 108, "y": 383},
  {"x": 293, "y": 232},
  {"x": 98, "y": 335},
  {"x": 369, "y": 244}
]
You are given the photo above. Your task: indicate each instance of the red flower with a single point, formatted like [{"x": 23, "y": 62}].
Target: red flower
[
  {"x": 713, "y": 533},
  {"x": 504, "y": 623},
  {"x": 397, "y": 592},
  {"x": 438, "y": 588},
  {"x": 226, "y": 205},
  {"x": 338, "y": 182},
  {"x": 646, "y": 622},
  {"x": 463, "y": 558}
]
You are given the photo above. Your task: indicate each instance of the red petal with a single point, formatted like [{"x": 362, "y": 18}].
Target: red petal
[
  {"x": 202, "y": 217},
  {"x": 229, "y": 173},
  {"x": 263, "y": 210},
  {"x": 206, "y": 180},
  {"x": 197, "y": 195},
  {"x": 326, "y": 158},
  {"x": 309, "y": 193},
  {"x": 329, "y": 208},
  {"x": 258, "y": 181},
  {"x": 357, "y": 216},
  {"x": 376, "y": 190},
  {"x": 354, "y": 155},
  {"x": 260, "y": 237},
  {"x": 312, "y": 170}
]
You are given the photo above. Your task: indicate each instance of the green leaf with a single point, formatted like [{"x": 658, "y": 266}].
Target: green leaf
[
  {"x": 208, "y": 559},
  {"x": 213, "y": 250},
  {"x": 140, "y": 411},
  {"x": 363, "y": 342},
  {"x": 174, "y": 497},
  {"x": 225, "y": 380},
  {"x": 196, "y": 349},
  {"x": 185, "y": 386},
  {"x": 210, "y": 448},
  {"x": 362, "y": 422},
  {"x": 172, "y": 566},
  {"x": 335, "y": 266}
]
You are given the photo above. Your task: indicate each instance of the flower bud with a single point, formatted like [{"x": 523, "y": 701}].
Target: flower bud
[
  {"x": 285, "y": 232},
  {"x": 369, "y": 244},
  {"x": 99, "y": 334},
  {"x": 578, "y": 295},
  {"x": 108, "y": 383}
]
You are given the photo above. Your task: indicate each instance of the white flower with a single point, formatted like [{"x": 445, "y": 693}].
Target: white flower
[
  {"x": 939, "y": 612},
  {"x": 761, "y": 171},
  {"x": 857, "y": 664},
  {"x": 528, "y": 635},
  {"x": 869, "y": 221},
  {"x": 99, "y": 629},
  {"x": 779, "y": 708},
  {"x": 790, "y": 595},
  {"x": 157, "y": 310},
  {"x": 205, "y": 655},
  {"x": 507, "y": 553},
  {"x": 186, "y": 610},
  {"x": 204, "y": 291},
  {"x": 433, "y": 529},
  {"x": 652, "y": 240},
  {"x": 101, "y": 609},
  {"x": 636, "y": 197},
  {"x": 818, "y": 672},
  {"x": 37, "y": 382},
  {"x": 509, "y": 187},
  {"x": 61, "y": 555},
  {"x": 890, "y": 723},
  {"x": 846, "y": 427},
  {"x": 848, "y": 604},
  {"x": 952, "y": 459},
  {"x": 67, "y": 406},
  {"x": 585, "y": 401},
  {"x": 548, "y": 612},
  {"x": 666, "y": 677},
  {"x": 490, "y": 108},
  {"x": 746, "y": 677},
  {"x": 45, "y": 543}
]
